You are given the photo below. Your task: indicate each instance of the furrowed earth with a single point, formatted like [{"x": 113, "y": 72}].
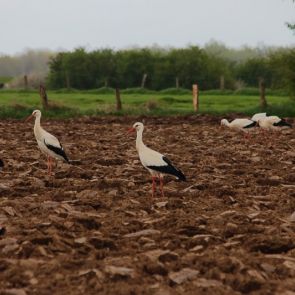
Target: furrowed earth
[{"x": 93, "y": 227}]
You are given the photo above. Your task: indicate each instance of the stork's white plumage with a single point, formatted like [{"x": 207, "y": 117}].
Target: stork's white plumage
[
  {"x": 244, "y": 125},
  {"x": 48, "y": 144},
  {"x": 273, "y": 123},
  {"x": 258, "y": 116},
  {"x": 156, "y": 163}
]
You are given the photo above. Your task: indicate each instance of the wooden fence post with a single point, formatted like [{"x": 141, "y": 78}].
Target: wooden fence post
[
  {"x": 195, "y": 97},
  {"x": 143, "y": 80},
  {"x": 263, "y": 102},
  {"x": 118, "y": 100},
  {"x": 43, "y": 96}
]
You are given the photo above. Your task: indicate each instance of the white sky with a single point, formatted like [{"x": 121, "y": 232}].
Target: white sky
[{"x": 67, "y": 24}]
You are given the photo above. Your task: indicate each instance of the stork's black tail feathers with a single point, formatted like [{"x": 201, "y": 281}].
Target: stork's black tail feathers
[
  {"x": 58, "y": 150},
  {"x": 251, "y": 125},
  {"x": 180, "y": 175},
  {"x": 283, "y": 123},
  {"x": 174, "y": 171},
  {"x": 169, "y": 169}
]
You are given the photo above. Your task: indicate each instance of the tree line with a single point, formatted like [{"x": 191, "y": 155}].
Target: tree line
[
  {"x": 158, "y": 68},
  {"x": 214, "y": 66}
]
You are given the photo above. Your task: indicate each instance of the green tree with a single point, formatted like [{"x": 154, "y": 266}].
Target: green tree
[
  {"x": 254, "y": 69},
  {"x": 77, "y": 68},
  {"x": 103, "y": 67},
  {"x": 132, "y": 65},
  {"x": 55, "y": 78},
  {"x": 283, "y": 67}
]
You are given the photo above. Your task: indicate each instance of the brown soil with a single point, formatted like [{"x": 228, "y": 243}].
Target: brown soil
[{"x": 93, "y": 227}]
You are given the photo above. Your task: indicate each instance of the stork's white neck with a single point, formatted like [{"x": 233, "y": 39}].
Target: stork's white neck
[
  {"x": 226, "y": 123},
  {"x": 37, "y": 121},
  {"x": 37, "y": 127},
  {"x": 139, "y": 142}
]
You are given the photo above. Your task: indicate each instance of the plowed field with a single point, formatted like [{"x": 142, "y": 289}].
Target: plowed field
[{"x": 93, "y": 228}]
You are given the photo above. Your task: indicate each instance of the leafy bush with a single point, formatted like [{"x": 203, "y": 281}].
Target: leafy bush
[
  {"x": 104, "y": 90},
  {"x": 255, "y": 91},
  {"x": 247, "y": 91},
  {"x": 253, "y": 69},
  {"x": 177, "y": 91},
  {"x": 283, "y": 64},
  {"x": 171, "y": 100},
  {"x": 152, "y": 105},
  {"x": 137, "y": 91},
  {"x": 66, "y": 90},
  {"x": 217, "y": 92}
]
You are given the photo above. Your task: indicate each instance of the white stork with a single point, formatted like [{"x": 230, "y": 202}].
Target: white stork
[
  {"x": 156, "y": 163},
  {"x": 258, "y": 116},
  {"x": 245, "y": 125},
  {"x": 48, "y": 144},
  {"x": 273, "y": 123}
]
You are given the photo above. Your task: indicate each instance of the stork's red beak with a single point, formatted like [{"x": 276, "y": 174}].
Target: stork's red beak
[
  {"x": 29, "y": 118},
  {"x": 131, "y": 130}
]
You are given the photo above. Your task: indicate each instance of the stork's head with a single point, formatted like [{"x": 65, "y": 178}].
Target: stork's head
[
  {"x": 138, "y": 126},
  {"x": 36, "y": 114}
]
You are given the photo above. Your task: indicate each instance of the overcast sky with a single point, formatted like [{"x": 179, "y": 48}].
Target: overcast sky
[{"x": 67, "y": 24}]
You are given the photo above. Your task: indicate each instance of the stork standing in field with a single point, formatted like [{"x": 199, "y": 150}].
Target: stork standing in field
[
  {"x": 273, "y": 123},
  {"x": 48, "y": 144},
  {"x": 244, "y": 125},
  {"x": 156, "y": 163}
]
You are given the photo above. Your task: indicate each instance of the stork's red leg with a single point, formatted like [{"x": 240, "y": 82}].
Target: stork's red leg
[
  {"x": 53, "y": 164},
  {"x": 162, "y": 186},
  {"x": 246, "y": 136}
]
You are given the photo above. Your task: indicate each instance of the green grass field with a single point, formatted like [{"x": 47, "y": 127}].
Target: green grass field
[{"x": 17, "y": 104}]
